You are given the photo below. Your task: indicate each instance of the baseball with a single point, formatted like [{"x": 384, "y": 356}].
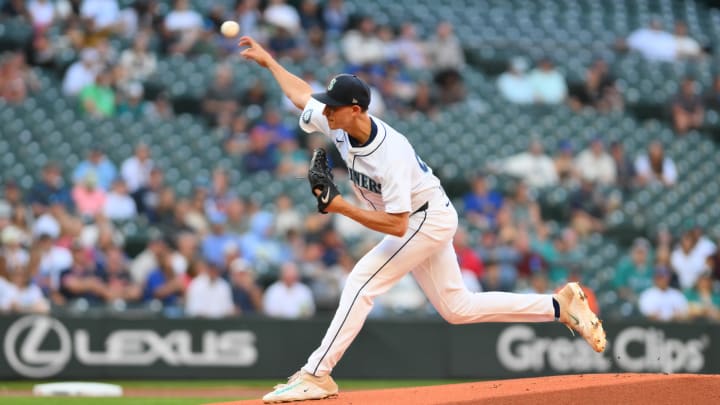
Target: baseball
[{"x": 230, "y": 28}]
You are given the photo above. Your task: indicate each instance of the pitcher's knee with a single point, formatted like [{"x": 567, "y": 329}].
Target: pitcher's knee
[{"x": 455, "y": 313}]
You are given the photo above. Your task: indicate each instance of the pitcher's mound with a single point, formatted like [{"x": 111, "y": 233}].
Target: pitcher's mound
[{"x": 587, "y": 389}]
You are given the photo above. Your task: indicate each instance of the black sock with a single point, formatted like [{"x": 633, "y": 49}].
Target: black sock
[{"x": 556, "y": 306}]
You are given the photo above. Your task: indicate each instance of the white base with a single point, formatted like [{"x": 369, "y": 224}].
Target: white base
[{"x": 77, "y": 389}]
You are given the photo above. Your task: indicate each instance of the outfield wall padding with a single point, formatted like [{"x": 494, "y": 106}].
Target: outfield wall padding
[{"x": 41, "y": 347}]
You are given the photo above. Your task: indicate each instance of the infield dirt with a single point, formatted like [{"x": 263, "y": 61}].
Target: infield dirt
[{"x": 586, "y": 389}]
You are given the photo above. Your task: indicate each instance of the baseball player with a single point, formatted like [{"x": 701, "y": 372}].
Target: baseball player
[{"x": 406, "y": 202}]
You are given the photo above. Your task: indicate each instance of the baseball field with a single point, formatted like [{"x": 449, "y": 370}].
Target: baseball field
[{"x": 588, "y": 389}]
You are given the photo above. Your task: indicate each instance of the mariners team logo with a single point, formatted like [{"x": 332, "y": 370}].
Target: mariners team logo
[
  {"x": 307, "y": 115},
  {"x": 332, "y": 84}
]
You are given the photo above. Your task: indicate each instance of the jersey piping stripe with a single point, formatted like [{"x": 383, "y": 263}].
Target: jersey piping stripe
[
  {"x": 379, "y": 143},
  {"x": 363, "y": 286}
]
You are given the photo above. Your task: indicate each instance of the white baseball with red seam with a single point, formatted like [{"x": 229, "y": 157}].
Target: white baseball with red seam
[{"x": 230, "y": 29}]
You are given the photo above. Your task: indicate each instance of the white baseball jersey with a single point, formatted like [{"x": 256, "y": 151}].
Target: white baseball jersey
[
  {"x": 401, "y": 186},
  {"x": 388, "y": 175}
]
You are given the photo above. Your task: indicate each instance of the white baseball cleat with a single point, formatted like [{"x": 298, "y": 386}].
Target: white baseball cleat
[
  {"x": 577, "y": 315},
  {"x": 302, "y": 386}
]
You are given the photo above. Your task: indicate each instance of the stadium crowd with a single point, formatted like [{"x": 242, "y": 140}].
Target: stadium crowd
[{"x": 216, "y": 253}]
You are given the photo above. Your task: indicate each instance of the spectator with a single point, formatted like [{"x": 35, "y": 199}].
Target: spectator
[
  {"x": 523, "y": 210},
  {"x": 116, "y": 275},
  {"x": 100, "y": 16},
  {"x": 261, "y": 154},
  {"x": 689, "y": 260},
  {"x": 163, "y": 285},
  {"x": 42, "y": 14},
  {"x": 287, "y": 217},
  {"x": 310, "y": 15},
  {"x": 237, "y": 139},
  {"x": 273, "y": 127},
  {"x": 213, "y": 245},
  {"x": 444, "y": 50},
  {"x": 588, "y": 206},
  {"x": 138, "y": 62},
  {"x": 258, "y": 245},
  {"x": 468, "y": 259},
  {"x": 21, "y": 295},
  {"x": 208, "y": 295},
  {"x": 409, "y": 49},
  {"x": 284, "y": 44},
  {"x": 655, "y": 167},
  {"x": 12, "y": 251},
  {"x": 53, "y": 260},
  {"x": 219, "y": 195},
  {"x": 634, "y": 274},
  {"x": 599, "y": 91},
  {"x": 82, "y": 73},
  {"x": 335, "y": 18},
  {"x": 98, "y": 100},
  {"x": 148, "y": 260},
  {"x": 288, "y": 297},
  {"x": 249, "y": 17},
  {"x": 481, "y": 205},
  {"x": 50, "y": 188},
  {"x": 662, "y": 302},
  {"x": 568, "y": 259},
  {"x": 515, "y": 85},
  {"x": 220, "y": 99},
  {"x": 361, "y": 45},
  {"x": 596, "y": 165},
  {"x": 548, "y": 85},
  {"x": 624, "y": 167},
  {"x": 182, "y": 28},
  {"x": 703, "y": 301},
  {"x": 685, "y": 46},
  {"x": 88, "y": 198},
  {"x": 247, "y": 295},
  {"x": 14, "y": 9},
  {"x": 653, "y": 43},
  {"x": 499, "y": 258},
  {"x": 529, "y": 262},
  {"x": 99, "y": 165},
  {"x": 565, "y": 164},
  {"x": 147, "y": 197},
  {"x": 132, "y": 103},
  {"x": 136, "y": 170},
  {"x": 712, "y": 96},
  {"x": 118, "y": 203},
  {"x": 237, "y": 220},
  {"x": 687, "y": 108},
  {"x": 280, "y": 14},
  {"x": 539, "y": 284},
  {"x": 17, "y": 81},
  {"x": 533, "y": 167},
  {"x": 424, "y": 101},
  {"x": 82, "y": 280}
]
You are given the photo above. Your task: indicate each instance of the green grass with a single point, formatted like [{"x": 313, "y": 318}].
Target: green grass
[
  {"x": 260, "y": 384},
  {"x": 111, "y": 401},
  {"x": 345, "y": 384}
]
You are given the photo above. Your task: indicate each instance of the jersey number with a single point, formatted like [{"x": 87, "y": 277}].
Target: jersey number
[{"x": 423, "y": 166}]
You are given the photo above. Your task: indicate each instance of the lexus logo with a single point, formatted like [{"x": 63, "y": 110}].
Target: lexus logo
[{"x": 23, "y": 350}]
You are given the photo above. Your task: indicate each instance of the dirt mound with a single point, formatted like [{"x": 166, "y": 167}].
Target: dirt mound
[{"x": 587, "y": 389}]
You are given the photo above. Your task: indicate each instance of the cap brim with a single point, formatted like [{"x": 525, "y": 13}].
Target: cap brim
[{"x": 327, "y": 100}]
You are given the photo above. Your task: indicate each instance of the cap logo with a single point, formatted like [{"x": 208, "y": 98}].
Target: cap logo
[
  {"x": 354, "y": 101},
  {"x": 332, "y": 84}
]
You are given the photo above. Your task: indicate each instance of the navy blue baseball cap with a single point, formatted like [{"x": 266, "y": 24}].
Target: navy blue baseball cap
[{"x": 345, "y": 89}]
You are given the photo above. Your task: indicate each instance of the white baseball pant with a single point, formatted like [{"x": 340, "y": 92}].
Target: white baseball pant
[{"x": 426, "y": 250}]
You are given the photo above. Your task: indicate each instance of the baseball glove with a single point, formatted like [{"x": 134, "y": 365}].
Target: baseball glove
[{"x": 321, "y": 179}]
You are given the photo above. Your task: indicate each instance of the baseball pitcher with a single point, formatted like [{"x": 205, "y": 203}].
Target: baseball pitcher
[{"x": 406, "y": 202}]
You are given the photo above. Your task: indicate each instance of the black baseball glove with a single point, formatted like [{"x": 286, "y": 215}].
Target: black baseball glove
[{"x": 321, "y": 178}]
